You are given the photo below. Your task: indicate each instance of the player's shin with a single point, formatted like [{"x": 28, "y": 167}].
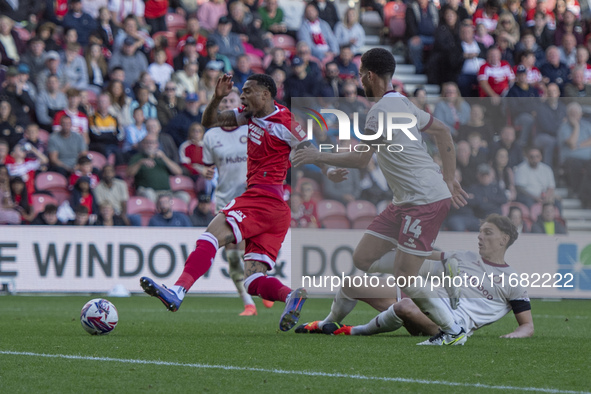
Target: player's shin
[
  {"x": 237, "y": 275},
  {"x": 198, "y": 261},
  {"x": 266, "y": 287},
  {"x": 386, "y": 321},
  {"x": 341, "y": 306},
  {"x": 434, "y": 307}
]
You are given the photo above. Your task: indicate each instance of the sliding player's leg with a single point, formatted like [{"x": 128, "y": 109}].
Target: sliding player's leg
[{"x": 236, "y": 270}]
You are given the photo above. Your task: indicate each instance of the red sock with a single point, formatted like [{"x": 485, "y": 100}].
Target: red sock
[
  {"x": 269, "y": 288},
  {"x": 197, "y": 264}
]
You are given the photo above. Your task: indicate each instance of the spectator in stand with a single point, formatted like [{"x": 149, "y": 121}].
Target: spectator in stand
[
  {"x": 165, "y": 141},
  {"x": 507, "y": 28},
  {"x": 463, "y": 164},
  {"x": 31, "y": 135},
  {"x": 92, "y": 7},
  {"x": 461, "y": 219},
  {"x": 160, "y": 70},
  {"x": 495, "y": 76},
  {"x": 46, "y": 31},
  {"x": 21, "y": 103},
  {"x": 194, "y": 32},
  {"x": 309, "y": 205},
  {"x": 327, "y": 11},
  {"x": 11, "y": 46},
  {"x": 577, "y": 87},
  {"x": 348, "y": 190},
  {"x": 146, "y": 81},
  {"x": 521, "y": 105},
  {"x": 107, "y": 30},
  {"x": 318, "y": 34},
  {"x": 299, "y": 217},
  {"x": 130, "y": 60},
  {"x": 547, "y": 223},
  {"x": 151, "y": 169},
  {"x": 242, "y": 71},
  {"x": 8, "y": 125},
  {"x": 506, "y": 49},
  {"x": 105, "y": 134},
  {"x": 170, "y": 104},
  {"x": 527, "y": 59},
  {"x": 135, "y": 132},
  {"x": 203, "y": 214},
  {"x": 349, "y": 31},
  {"x": 333, "y": 84},
  {"x": 568, "y": 50},
  {"x": 107, "y": 216},
  {"x": 19, "y": 165},
  {"x": 488, "y": 15},
  {"x": 247, "y": 26},
  {"x": 446, "y": 59},
  {"x": 143, "y": 42},
  {"x": 188, "y": 54},
  {"x": 65, "y": 147},
  {"x": 113, "y": 191},
  {"x": 300, "y": 83},
  {"x": 166, "y": 217},
  {"x": 8, "y": 213},
  {"x": 96, "y": 66},
  {"x": 569, "y": 25},
  {"x": 208, "y": 81},
  {"x": 460, "y": 9},
  {"x": 528, "y": 43},
  {"x": 582, "y": 62},
  {"x": 504, "y": 174},
  {"x": 574, "y": 142},
  {"x": 508, "y": 141},
  {"x": 121, "y": 9},
  {"x": 155, "y": 14},
  {"x": 485, "y": 197},
  {"x": 214, "y": 56},
  {"x": 143, "y": 102},
  {"x": 473, "y": 55},
  {"x": 347, "y": 69},
  {"x": 483, "y": 37},
  {"x": 278, "y": 61},
  {"x": 34, "y": 57},
  {"x": 48, "y": 217},
  {"x": 550, "y": 114},
  {"x": 4, "y": 150},
  {"x": 229, "y": 43},
  {"x": 210, "y": 12},
  {"x": 272, "y": 17},
  {"x": 516, "y": 216},
  {"x": 22, "y": 11},
  {"x": 452, "y": 110},
  {"x": 77, "y": 19},
  {"x": 82, "y": 217},
  {"x": 554, "y": 70},
  {"x": 83, "y": 168},
  {"x": 178, "y": 126},
  {"x": 82, "y": 195},
  {"x": 79, "y": 120},
  {"x": 304, "y": 52},
  {"x": 74, "y": 67},
  {"x": 120, "y": 104},
  {"x": 191, "y": 153},
  {"x": 478, "y": 149},
  {"x": 118, "y": 74},
  {"x": 534, "y": 180}
]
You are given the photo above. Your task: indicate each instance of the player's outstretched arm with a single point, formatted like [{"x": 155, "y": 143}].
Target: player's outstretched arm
[
  {"x": 525, "y": 328},
  {"x": 447, "y": 151},
  {"x": 311, "y": 155},
  {"x": 211, "y": 116}
]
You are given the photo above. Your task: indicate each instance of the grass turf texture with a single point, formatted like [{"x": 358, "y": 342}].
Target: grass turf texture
[{"x": 208, "y": 330}]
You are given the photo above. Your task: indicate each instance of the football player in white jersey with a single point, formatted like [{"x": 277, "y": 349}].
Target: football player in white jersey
[
  {"x": 225, "y": 148},
  {"x": 481, "y": 303},
  {"x": 422, "y": 192}
]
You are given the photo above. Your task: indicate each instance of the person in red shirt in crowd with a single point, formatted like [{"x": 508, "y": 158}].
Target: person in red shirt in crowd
[
  {"x": 191, "y": 153},
  {"x": 82, "y": 196},
  {"x": 488, "y": 15},
  {"x": 193, "y": 30},
  {"x": 79, "y": 120},
  {"x": 534, "y": 76},
  {"x": 83, "y": 169},
  {"x": 155, "y": 15},
  {"x": 19, "y": 165},
  {"x": 541, "y": 7},
  {"x": 300, "y": 218},
  {"x": 309, "y": 205},
  {"x": 495, "y": 76}
]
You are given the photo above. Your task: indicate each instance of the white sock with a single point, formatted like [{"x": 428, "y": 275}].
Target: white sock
[
  {"x": 434, "y": 307},
  {"x": 237, "y": 274},
  {"x": 384, "y": 322},
  {"x": 385, "y": 265},
  {"x": 341, "y": 306},
  {"x": 179, "y": 291}
]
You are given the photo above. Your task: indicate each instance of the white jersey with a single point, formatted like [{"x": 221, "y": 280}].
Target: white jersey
[
  {"x": 412, "y": 174},
  {"x": 227, "y": 150},
  {"x": 483, "y": 302}
]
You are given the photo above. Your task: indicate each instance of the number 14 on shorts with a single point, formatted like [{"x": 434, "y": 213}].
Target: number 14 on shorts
[{"x": 412, "y": 226}]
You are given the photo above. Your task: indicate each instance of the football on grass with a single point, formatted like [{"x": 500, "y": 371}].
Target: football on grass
[{"x": 99, "y": 316}]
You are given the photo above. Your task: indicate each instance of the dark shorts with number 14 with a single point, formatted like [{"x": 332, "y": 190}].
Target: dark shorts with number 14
[{"x": 413, "y": 228}]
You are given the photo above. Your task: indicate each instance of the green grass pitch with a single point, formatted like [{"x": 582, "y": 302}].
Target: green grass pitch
[{"x": 207, "y": 348}]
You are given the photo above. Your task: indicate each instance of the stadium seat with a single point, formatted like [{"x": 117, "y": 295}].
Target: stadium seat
[
  {"x": 361, "y": 213},
  {"x": 394, "y": 13},
  {"x": 55, "y": 183},
  {"x": 175, "y": 22},
  {"x": 92, "y": 97},
  {"x": 184, "y": 183},
  {"x": 179, "y": 205},
  {"x": 332, "y": 214},
  {"x": 193, "y": 205},
  {"x": 40, "y": 200},
  {"x": 141, "y": 206},
  {"x": 98, "y": 160},
  {"x": 284, "y": 41},
  {"x": 525, "y": 213}
]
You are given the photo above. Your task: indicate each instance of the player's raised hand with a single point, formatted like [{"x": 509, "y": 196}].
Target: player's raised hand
[
  {"x": 458, "y": 195},
  {"x": 337, "y": 175},
  {"x": 308, "y": 155},
  {"x": 224, "y": 85}
]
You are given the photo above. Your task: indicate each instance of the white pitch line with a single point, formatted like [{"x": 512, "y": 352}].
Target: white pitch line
[{"x": 288, "y": 372}]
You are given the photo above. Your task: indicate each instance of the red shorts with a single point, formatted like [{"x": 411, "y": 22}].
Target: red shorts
[
  {"x": 261, "y": 218},
  {"x": 412, "y": 228}
]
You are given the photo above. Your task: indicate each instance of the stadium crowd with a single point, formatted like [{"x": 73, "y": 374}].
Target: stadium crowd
[{"x": 101, "y": 103}]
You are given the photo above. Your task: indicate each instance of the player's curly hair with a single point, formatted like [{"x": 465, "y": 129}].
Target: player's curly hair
[
  {"x": 266, "y": 81},
  {"x": 505, "y": 225},
  {"x": 379, "y": 61}
]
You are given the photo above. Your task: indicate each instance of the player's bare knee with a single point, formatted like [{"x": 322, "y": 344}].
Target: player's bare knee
[
  {"x": 404, "y": 308},
  {"x": 361, "y": 261}
]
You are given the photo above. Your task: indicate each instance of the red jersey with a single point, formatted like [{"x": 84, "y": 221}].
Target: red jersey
[
  {"x": 490, "y": 23},
  {"x": 191, "y": 154},
  {"x": 498, "y": 77},
  {"x": 534, "y": 75},
  {"x": 79, "y": 121},
  {"x": 155, "y": 8},
  {"x": 200, "y": 45},
  {"x": 94, "y": 180},
  {"x": 25, "y": 170},
  {"x": 270, "y": 140}
]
